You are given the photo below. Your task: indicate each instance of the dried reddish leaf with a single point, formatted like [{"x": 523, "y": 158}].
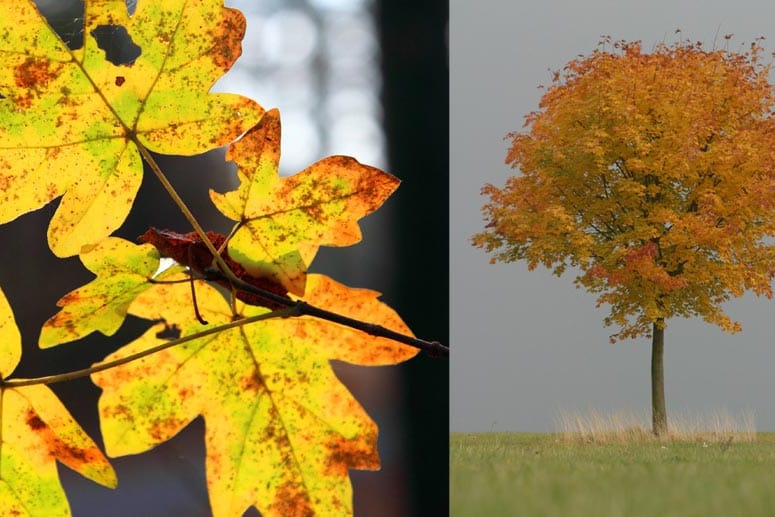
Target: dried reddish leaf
[{"x": 189, "y": 250}]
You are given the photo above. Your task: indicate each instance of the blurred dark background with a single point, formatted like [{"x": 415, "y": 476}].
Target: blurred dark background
[{"x": 404, "y": 255}]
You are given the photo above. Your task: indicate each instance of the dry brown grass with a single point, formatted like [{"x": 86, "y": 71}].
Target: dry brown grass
[{"x": 633, "y": 427}]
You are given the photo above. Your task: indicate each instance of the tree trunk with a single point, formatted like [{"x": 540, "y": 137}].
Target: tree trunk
[{"x": 658, "y": 410}]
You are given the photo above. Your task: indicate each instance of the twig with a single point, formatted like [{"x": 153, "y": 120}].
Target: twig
[
  {"x": 77, "y": 374},
  {"x": 432, "y": 348},
  {"x": 183, "y": 208}
]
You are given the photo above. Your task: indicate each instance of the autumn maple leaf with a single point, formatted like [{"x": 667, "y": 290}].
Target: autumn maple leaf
[
  {"x": 123, "y": 271},
  {"x": 72, "y": 122},
  {"x": 281, "y": 429},
  {"x": 36, "y": 430},
  {"x": 274, "y": 409},
  {"x": 283, "y": 221}
]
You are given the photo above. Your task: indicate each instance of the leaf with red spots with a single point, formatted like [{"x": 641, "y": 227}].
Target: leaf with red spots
[
  {"x": 36, "y": 431},
  {"x": 123, "y": 271},
  {"x": 71, "y": 121},
  {"x": 281, "y": 430},
  {"x": 283, "y": 221}
]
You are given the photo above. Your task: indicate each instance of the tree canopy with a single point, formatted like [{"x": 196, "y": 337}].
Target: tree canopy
[{"x": 651, "y": 173}]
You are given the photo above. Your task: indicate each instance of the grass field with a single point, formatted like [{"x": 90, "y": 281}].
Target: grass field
[{"x": 521, "y": 474}]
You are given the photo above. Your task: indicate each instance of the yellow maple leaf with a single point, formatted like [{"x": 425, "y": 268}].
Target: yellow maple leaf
[
  {"x": 123, "y": 271},
  {"x": 281, "y": 429},
  {"x": 71, "y": 120},
  {"x": 36, "y": 430},
  {"x": 283, "y": 221}
]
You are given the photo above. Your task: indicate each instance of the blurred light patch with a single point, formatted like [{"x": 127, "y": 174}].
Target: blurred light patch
[
  {"x": 289, "y": 38},
  {"x": 340, "y": 5},
  {"x": 304, "y": 140},
  {"x": 360, "y": 137},
  {"x": 350, "y": 41}
]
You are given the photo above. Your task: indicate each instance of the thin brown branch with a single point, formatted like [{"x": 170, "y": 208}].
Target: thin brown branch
[
  {"x": 184, "y": 209},
  {"x": 432, "y": 348},
  {"x": 77, "y": 374}
]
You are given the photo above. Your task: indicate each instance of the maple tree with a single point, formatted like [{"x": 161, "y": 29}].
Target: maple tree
[
  {"x": 241, "y": 333},
  {"x": 652, "y": 174}
]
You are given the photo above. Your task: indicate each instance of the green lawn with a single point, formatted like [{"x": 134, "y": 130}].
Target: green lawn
[{"x": 516, "y": 474}]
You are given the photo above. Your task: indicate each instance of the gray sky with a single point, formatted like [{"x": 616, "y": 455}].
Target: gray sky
[{"x": 527, "y": 345}]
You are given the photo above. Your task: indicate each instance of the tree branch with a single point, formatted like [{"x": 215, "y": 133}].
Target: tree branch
[
  {"x": 77, "y": 374},
  {"x": 183, "y": 208},
  {"x": 292, "y": 309},
  {"x": 432, "y": 348}
]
